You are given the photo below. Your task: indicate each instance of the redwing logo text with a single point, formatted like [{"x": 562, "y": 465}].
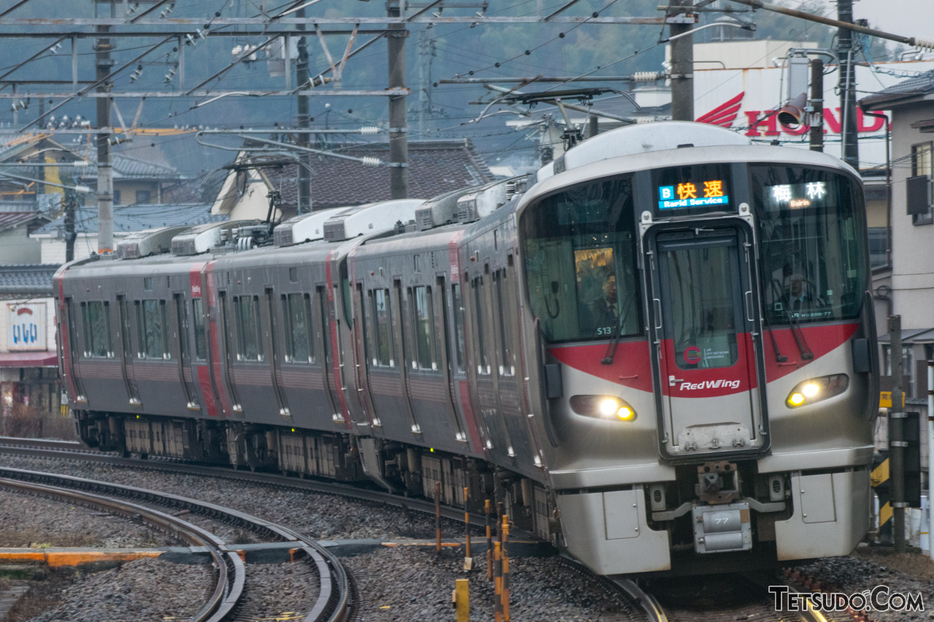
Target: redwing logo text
[
  {"x": 880, "y": 598},
  {"x": 710, "y": 384}
]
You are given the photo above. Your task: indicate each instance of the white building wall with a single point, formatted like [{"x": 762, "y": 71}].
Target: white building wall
[
  {"x": 53, "y": 250},
  {"x": 17, "y": 248},
  {"x": 913, "y": 245}
]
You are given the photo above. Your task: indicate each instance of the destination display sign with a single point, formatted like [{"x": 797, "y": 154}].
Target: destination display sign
[
  {"x": 692, "y": 189},
  {"x": 796, "y": 196},
  {"x": 689, "y": 194}
]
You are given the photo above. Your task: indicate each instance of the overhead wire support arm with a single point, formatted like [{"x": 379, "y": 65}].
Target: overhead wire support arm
[
  {"x": 366, "y": 161},
  {"x": 188, "y": 22},
  {"x": 927, "y": 44}
]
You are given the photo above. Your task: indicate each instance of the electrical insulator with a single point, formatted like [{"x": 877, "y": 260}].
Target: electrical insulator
[
  {"x": 370, "y": 161},
  {"x": 924, "y": 44},
  {"x": 645, "y": 76},
  {"x": 369, "y": 130}
]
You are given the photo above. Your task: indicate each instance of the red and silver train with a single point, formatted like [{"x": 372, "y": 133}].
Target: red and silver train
[{"x": 658, "y": 352}]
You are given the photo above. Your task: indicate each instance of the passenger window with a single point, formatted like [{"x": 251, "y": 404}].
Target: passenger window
[
  {"x": 483, "y": 366},
  {"x": 297, "y": 310},
  {"x": 504, "y": 349},
  {"x": 95, "y": 317},
  {"x": 382, "y": 332},
  {"x": 247, "y": 328},
  {"x": 201, "y": 346},
  {"x": 150, "y": 316},
  {"x": 424, "y": 329},
  {"x": 458, "y": 325}
]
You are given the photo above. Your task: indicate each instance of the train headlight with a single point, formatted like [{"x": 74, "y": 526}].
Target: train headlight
[
  {"x": 815, "y": 390},
  {"x": 602, "y": 407}
]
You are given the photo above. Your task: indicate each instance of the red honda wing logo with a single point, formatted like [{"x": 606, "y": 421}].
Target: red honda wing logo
[{"x": 724, "y": 114}]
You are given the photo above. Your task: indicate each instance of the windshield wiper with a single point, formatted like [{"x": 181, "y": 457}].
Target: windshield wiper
[
  {"x": 779, "y": 357},
  {"x": 796, "y": 331},
  {"x": 617, "y": 334}
]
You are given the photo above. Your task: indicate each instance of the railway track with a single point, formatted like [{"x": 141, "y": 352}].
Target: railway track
[
  {"x": 648, "y": 602},
  {"x": 334, "y": 602}
]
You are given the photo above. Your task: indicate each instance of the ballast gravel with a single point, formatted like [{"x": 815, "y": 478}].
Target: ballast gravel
[
  {"x": 401, "y": 584},
  {"x": 50, "y": 523},
  {"x": 326, "y": 517},
  {"x": 144, "y": 589},
  {"x": 872, "y": 567},
  {"x": 398, "y": 583}
]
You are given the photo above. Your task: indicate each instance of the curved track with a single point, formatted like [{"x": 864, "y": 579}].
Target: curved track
[
  {"x": 654, "y": 609},
  {"x": 231, "y": 573},
  {"x": 334, "y": 599}
]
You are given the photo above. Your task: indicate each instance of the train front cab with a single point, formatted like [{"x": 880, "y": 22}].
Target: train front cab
[{"x": 715, "y": 414}]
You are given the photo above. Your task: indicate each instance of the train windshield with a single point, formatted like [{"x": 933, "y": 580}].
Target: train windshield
[
  {"x": 812, "y": 246},
  {"x": 580, "y": 262}
]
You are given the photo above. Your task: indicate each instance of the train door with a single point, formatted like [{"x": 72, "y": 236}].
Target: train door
[
  {"x": 447, "y": 360},
  {"x": 706, "y": 340},
  {"x": 362, "y": 346},
  {"x": 184, "y": 353},
  {"x": 327, "y": 365},
  {"x": 225, "y": 327},
  {"x": 126, "y": 352},
  {"x": 272, "y": 351}
]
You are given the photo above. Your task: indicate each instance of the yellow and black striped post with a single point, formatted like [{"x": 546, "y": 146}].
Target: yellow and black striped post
[
  {"x": 497, "y": 582},
  {"x": 438, "y": 517},
  {"x": 880, "y": 483},
  {"x": 505, "y": 572},
  {"x": 489, "y": 542}
]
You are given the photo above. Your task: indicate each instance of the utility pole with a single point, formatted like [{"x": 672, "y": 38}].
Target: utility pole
[
  {"x": 897, "y": 444},
  {"x": 105, "y": 182},
  {"x": 398, "y": 125},
  {"x": 426, "y": 52},
  {"x": 70, "y": 234},
  {"x": 816, "y": 120},
  {"x": 682, "y": 63},
  {"x": 304, "y": 161},
  {"x": 850, "y": 147}
]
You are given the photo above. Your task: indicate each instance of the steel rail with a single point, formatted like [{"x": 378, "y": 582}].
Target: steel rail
[
  {"x": 157, "y": 463},
  {"x": 334, "y": 597},
  {"x": 227, "y": 588}
]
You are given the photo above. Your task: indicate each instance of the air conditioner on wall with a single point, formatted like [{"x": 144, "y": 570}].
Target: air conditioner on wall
[{"x": 920, "y": 194}]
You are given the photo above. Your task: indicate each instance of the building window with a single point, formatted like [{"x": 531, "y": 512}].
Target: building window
[
  {"x": 877, "y": 243},
  {"x": 116, "y": 197},
  {"x": 143, "y": 196},
  {"x": 922, "y": 164}
]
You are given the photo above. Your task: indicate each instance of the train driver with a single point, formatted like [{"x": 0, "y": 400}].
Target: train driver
[
  {"x": 798, "y": 297},
  {"x": 604, "y": 310}
]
